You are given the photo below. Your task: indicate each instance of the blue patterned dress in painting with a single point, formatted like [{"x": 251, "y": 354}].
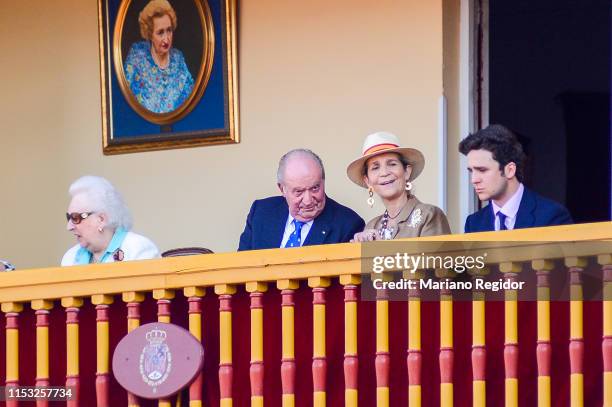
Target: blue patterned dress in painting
[{"x": 160, "y": 90}]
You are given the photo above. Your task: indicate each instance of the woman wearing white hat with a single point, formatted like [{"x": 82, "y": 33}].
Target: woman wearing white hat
[{"x": 388, "y": 170}]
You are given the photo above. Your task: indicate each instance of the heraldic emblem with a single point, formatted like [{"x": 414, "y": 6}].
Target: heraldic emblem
[{"x": 155, "y": 358}]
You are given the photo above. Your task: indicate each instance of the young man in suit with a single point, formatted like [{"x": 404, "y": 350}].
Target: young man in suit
[
  {"x": 303, "y": 215},
  {"x": 495, "y": 162}
]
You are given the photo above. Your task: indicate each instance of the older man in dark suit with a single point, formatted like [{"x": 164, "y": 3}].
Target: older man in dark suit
[
  {"x": 303, "y": 215},
  {"x": 495, "y": 162}
]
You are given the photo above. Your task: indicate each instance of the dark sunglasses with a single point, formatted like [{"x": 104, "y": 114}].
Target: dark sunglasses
[{"x": 77, "y": 217}]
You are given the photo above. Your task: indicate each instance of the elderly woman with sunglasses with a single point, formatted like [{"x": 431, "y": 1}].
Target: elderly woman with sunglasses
[{"x": 101, "y": 223}]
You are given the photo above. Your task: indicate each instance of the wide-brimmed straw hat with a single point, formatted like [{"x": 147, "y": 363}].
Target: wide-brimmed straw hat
[{"x": 383, "y": 142}]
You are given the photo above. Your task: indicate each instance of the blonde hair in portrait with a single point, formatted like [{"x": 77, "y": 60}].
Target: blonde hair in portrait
[{"x": 155, "y": 9}]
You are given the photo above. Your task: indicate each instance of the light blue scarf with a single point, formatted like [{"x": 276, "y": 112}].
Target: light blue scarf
[{"x": 84, "y": 256}]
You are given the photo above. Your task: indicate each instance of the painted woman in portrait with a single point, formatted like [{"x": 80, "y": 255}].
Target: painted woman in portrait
[{"x": 155, "y": 71}]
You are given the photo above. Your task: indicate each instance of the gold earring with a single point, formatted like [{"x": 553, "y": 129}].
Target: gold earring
[{"x": 371, "y": 198}]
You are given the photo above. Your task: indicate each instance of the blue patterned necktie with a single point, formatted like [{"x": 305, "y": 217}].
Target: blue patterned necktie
[
  {"x": 295, "y": 239},
  {"x": 502, "y": 221}
]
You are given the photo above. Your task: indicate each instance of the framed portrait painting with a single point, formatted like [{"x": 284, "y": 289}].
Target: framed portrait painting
[{"x": 168, "y": 74}]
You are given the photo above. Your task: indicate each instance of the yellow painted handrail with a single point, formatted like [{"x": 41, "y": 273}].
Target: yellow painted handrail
[{"x": 273, "y": 264}]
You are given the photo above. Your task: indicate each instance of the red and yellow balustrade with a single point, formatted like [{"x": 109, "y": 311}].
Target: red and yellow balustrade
[{"x": 287, "y": 327}]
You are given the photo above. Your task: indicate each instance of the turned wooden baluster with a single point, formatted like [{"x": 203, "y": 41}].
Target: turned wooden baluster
[
  {"x": 575, "y": 267},
  {"x": 72, "y": 305},
  {"x": 132, "y": 300},
  {"x": 256, "y": 371},
  {"x": 319, "y": 359},
  {"x": 351, "y": 363},
  {"x": 164, "y": 314},
  {"x": 544, "y": 348},
  {"x": 414, "y": 359},
  {"x": 383, "y": 360},
  {"x": 447, "y": 355},
  {"x": 102, "y": 332},
  {"x": 226, "y": 371},
  {"x": 606, "y": 345},
  {"x": 11, "y": 311},
  {"x": 511, "y": 350},
  {"x": 42, "y": 308},
  {"x": 288, "y": 288},
  {"x": 194, "y": 298},
  {"x": 479, "y": 350}
]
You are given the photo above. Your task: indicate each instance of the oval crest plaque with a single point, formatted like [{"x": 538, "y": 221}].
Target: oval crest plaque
[{"x": 157, "y": 360}]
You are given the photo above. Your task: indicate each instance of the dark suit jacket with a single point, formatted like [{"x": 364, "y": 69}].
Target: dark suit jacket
[
  {"x": 534, "y": 211},
  {"x": 267, "y": 218}
]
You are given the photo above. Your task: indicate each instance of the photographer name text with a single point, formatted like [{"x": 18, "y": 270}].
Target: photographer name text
[{"x": 432, "y": 284}]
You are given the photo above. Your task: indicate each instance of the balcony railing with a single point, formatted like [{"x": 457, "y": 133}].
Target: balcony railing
[{"x": 298, "y": 313}]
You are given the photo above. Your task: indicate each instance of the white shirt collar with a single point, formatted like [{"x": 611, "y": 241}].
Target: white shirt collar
[
  {"x": 511, "y": 207},
  {"x": 290, "y": 220}
]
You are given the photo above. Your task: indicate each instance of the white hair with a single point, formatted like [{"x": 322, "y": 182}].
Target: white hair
[
  {"x": 280, "y": 173},
  {"x": 103, "y": 197}
]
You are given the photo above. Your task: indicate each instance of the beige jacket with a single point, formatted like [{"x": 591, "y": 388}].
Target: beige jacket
[{"x": 416, "y": 219}]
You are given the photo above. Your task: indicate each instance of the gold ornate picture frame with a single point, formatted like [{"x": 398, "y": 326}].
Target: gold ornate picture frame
[{"x": 168, "y": 74}]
